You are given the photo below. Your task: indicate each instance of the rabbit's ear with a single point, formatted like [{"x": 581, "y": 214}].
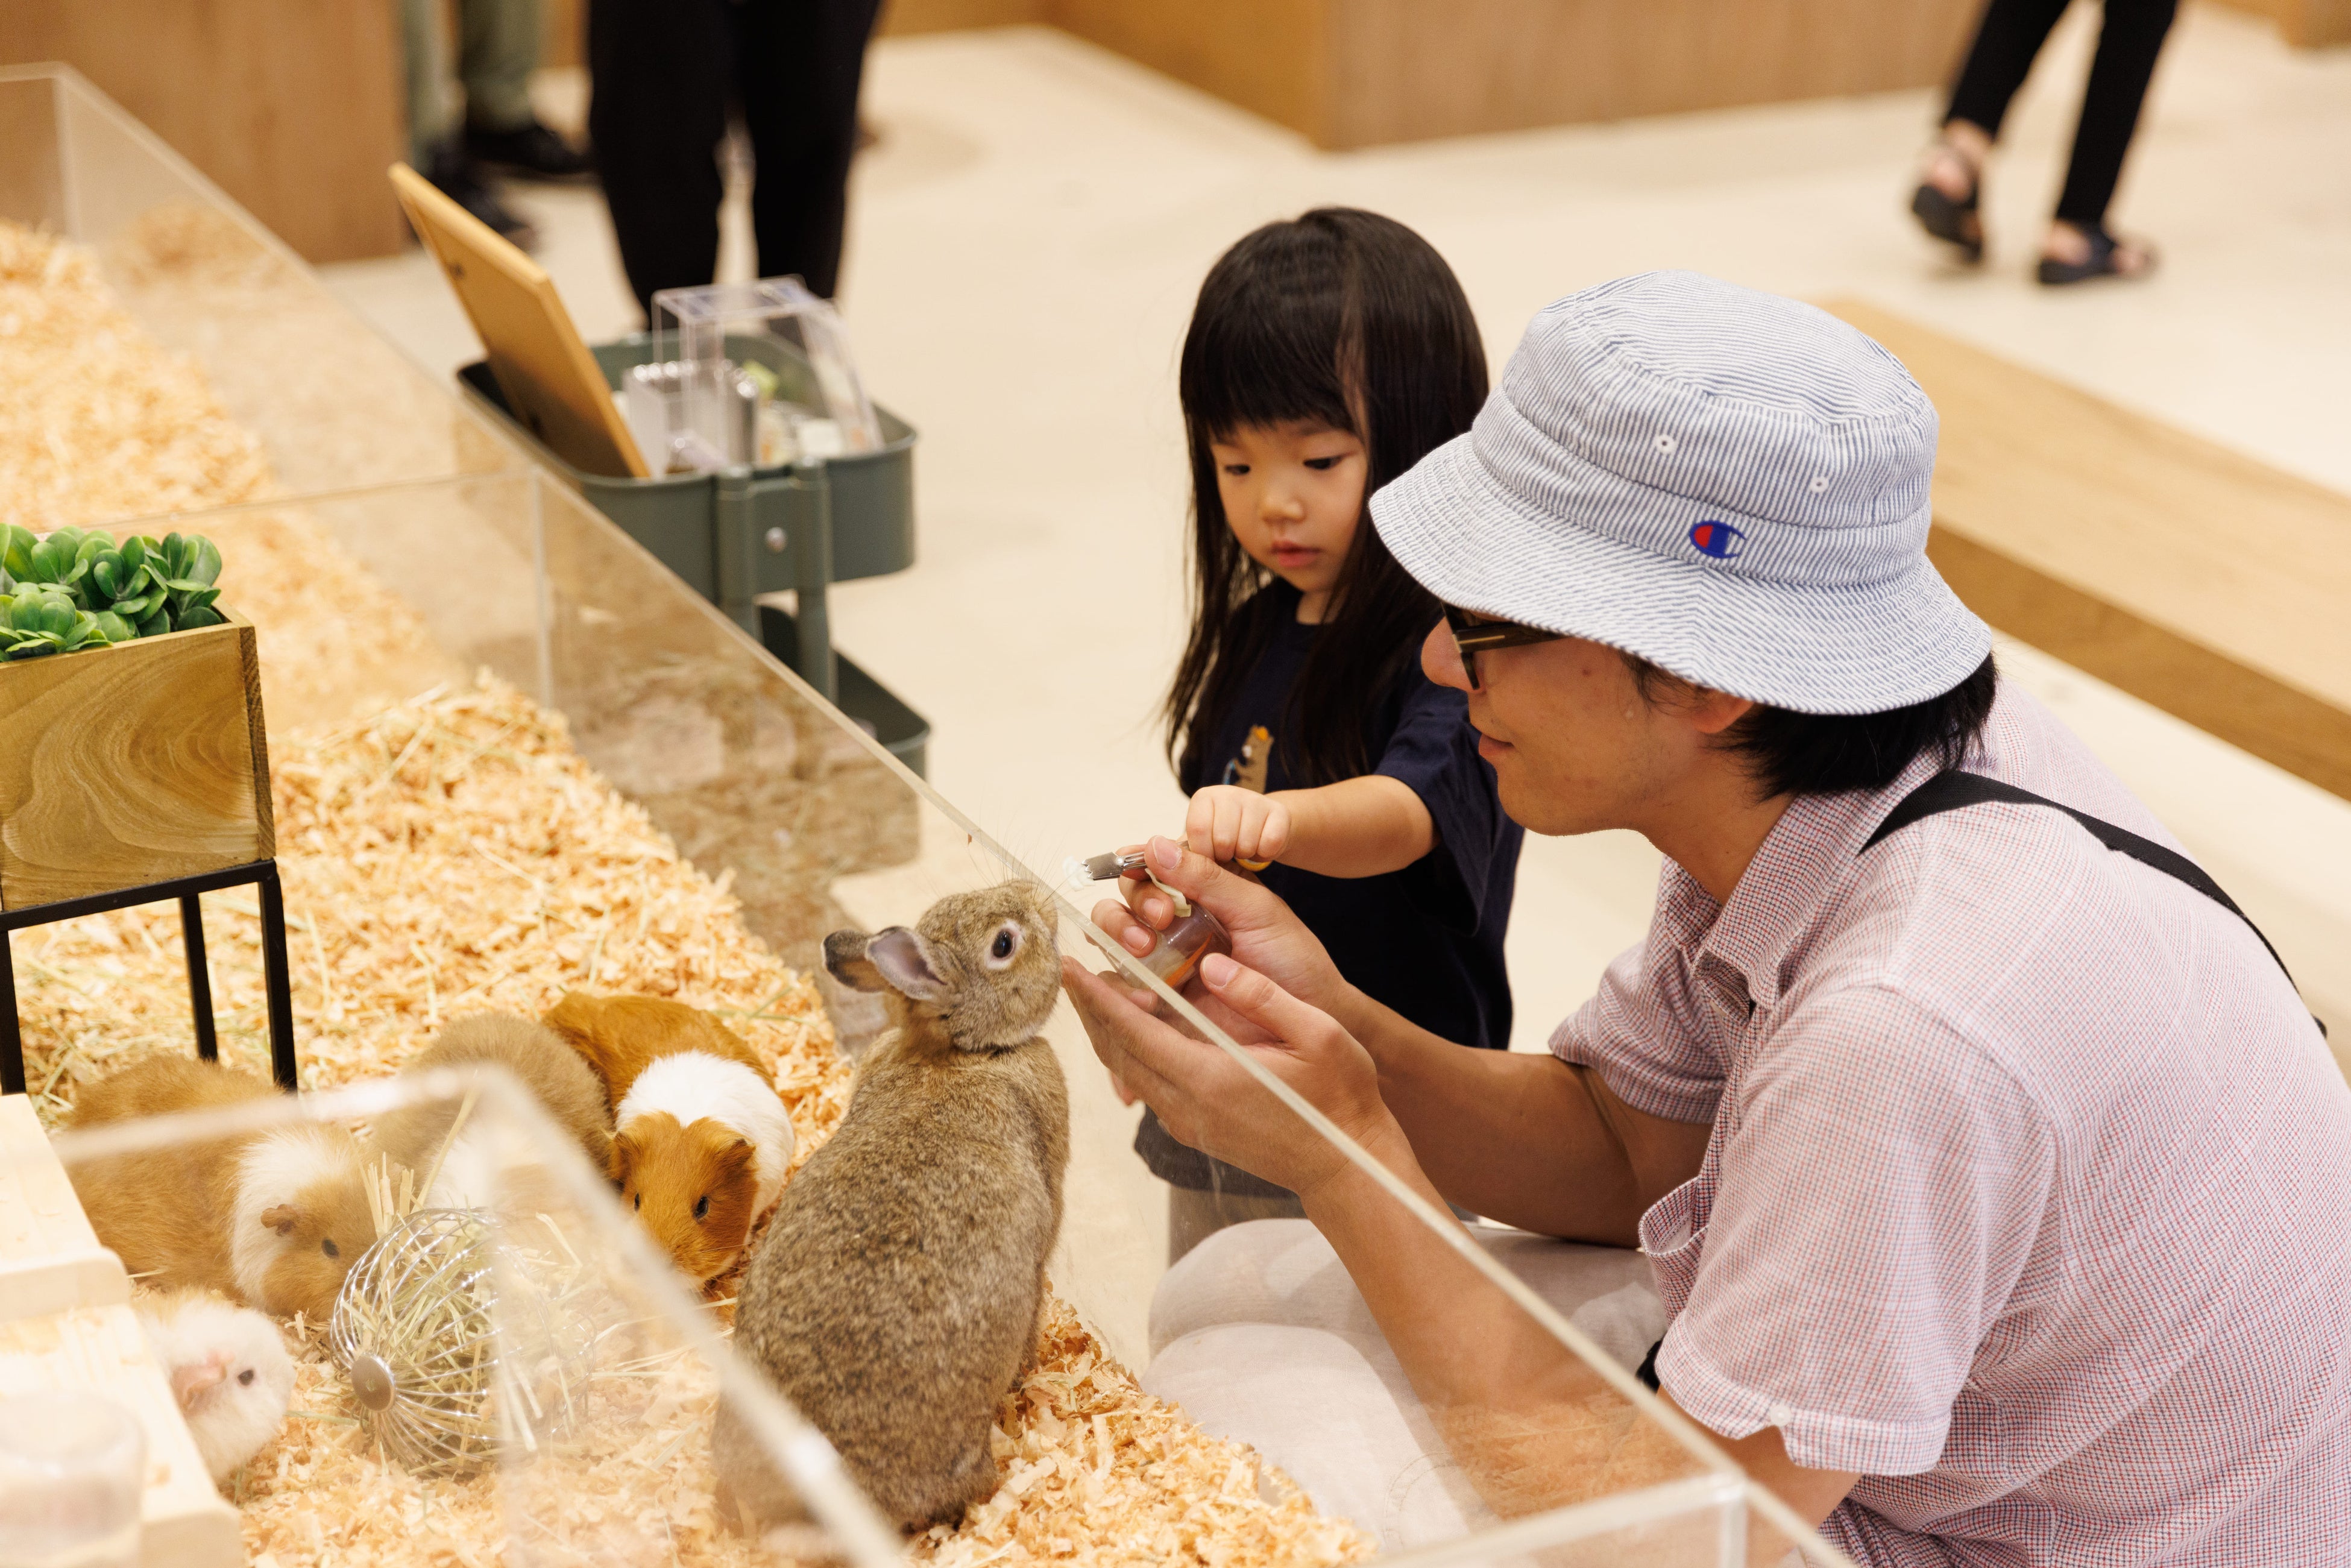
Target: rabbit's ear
[
  {"x": 902, "y": 959},
  {"x": 845, "y": 960}
]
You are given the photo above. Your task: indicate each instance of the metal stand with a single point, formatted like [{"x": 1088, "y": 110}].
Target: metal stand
[{"x": 275, "y": 978}]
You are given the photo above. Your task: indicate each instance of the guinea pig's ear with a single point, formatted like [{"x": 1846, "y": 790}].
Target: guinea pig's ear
[
  {"x": 624, "y": 1156},
  {"x": 282, "y": 1218},
  {"x": 906, "y": 963}
]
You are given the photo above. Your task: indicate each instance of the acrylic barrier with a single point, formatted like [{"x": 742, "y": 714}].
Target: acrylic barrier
[
  {"x": 1249, "y": 1398},
  {"x": 333, "y": 405}
]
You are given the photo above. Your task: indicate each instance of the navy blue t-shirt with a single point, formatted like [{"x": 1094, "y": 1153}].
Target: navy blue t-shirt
[{"x": 1426, "y": 940}]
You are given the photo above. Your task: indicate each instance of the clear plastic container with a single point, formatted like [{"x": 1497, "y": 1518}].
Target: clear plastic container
[
  {"x": 752, "y": 373},
  {"x": 72, "y": 1466}
]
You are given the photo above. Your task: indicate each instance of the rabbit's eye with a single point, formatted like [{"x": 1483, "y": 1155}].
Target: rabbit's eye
[
  {"x": 1007, "y": 943},
  {"x": 245, "y": 1379},
  {"x": 702, "y": 1207},
  {"x": 326, "y": 1245}
]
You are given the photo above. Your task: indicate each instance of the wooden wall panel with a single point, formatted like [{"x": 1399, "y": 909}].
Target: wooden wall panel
[
  {"x": 1406, "y": 71},
  {"x": 294, "y": 107},
  {"x": 2305, "y": 24},
  {"x": 1272, "y": 57}
]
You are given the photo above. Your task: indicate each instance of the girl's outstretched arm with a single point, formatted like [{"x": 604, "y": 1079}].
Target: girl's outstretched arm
[{"x": 1357, "y": 827}]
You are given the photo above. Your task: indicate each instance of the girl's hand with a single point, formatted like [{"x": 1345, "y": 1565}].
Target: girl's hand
[{"x": 1226, "y": 823}]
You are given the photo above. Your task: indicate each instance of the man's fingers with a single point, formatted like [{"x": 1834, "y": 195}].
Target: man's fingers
[
  {"x": 1130, "y": 1041},
  {"x": 1275, "y": 1011},
  {"x": 1118, "y": 922}
]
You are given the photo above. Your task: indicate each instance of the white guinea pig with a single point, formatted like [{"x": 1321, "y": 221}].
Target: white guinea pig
[{"x": 229, "y": 1370}]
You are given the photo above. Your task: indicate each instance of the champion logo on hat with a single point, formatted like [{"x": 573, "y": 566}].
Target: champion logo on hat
[{"x": 1719, "y": 540}]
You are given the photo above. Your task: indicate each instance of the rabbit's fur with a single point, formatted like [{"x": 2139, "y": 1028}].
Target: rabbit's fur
[{"x": 896, "y": 1297}]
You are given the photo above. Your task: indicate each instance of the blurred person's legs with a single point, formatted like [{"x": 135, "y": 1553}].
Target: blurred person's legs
[
  {"x": 798, "y": 68},
  {"x": 435, "y": 147},
  {"x": 498, "y": 47},
  {"x": 661, "y": 73},
  {"x": 2130, "y": 41},
  {"x": 2007, "y": 42}
]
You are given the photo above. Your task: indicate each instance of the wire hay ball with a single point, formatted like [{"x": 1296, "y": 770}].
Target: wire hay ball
[{"x": 459, "y": 1347}]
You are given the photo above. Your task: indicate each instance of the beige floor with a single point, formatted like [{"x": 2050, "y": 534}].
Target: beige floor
[{"x": 1027, "y": 234}]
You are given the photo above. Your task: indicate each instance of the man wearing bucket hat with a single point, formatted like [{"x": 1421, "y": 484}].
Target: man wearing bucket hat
[{"x": 1994, "y": 1182}]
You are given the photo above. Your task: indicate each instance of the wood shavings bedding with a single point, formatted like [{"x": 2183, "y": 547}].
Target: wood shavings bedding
[
  {"x": 453, "y": 850},
  {"x": 96, "y": 419}
]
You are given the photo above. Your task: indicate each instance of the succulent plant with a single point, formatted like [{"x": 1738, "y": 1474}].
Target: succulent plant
[{"x": 77, "y": 590}]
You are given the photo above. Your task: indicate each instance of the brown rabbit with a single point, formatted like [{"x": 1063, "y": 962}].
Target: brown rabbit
[
  {"x": 547, "y": 1065},
  {"x": 277, "y": 1218},
  {"x": 896, "y": 1297}
]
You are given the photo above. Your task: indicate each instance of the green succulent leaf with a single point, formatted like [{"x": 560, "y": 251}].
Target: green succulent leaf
[
  {"x": 199, "y": 615},
  {"x": 17, "y": 550},
  {"x": 50, "y": 561},
  {"x": 155, "y": 624},
  {"x": 205, "y": 565},
  {"x": 110, "y": 575},
  {"x": 113, "y": 628}
]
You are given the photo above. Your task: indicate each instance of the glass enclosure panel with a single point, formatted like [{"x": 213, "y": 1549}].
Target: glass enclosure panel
[
  {"x": 1184, "y": 1405},
  {"x": 330, "y": 405},
  {"x": 502, "y": 1368}
]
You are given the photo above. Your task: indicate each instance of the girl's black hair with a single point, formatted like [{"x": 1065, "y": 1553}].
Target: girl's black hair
[{"x": 1351, "y": 320}]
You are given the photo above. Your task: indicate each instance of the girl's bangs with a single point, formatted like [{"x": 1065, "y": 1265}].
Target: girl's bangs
[{"x": 1266, "y": 355}]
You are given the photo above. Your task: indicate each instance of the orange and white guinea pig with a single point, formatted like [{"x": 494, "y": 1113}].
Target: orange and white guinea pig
[{"x": 701, "y": 1140}]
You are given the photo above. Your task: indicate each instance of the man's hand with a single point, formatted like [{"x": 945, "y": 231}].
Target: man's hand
[
  {"x": 1226, "y": 823},
  {"x": 1209, "y": 1102},
  {"x": 1265, "y": 936}
]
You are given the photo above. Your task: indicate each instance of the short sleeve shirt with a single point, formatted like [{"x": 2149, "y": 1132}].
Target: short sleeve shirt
[
  {"x": 2028, "y": 1192},
  {"x": 1426, "y": 940}
]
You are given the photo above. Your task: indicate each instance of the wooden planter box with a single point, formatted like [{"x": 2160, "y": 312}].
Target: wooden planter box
[{"x": 130, "y": 765}]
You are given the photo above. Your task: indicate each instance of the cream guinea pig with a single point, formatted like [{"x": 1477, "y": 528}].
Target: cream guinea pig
[
  {"x": 277, "y": 1218},
  {"x": 229, "y": 1371}
]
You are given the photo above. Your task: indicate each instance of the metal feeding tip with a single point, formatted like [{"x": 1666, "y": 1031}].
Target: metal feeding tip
[{"x": 1103, "y": 867}]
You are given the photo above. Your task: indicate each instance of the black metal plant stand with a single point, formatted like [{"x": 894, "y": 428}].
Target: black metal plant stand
[{"x": 276, "y": 981}]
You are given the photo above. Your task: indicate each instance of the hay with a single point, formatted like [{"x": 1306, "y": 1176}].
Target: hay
[{"x": 452, "y": 851}]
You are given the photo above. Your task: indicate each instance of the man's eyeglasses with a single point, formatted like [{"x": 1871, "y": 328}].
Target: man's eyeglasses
[{"x": 1472, "y": 633}]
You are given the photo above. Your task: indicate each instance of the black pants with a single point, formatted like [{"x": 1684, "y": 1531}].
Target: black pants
[
  {"x": 2129, "y": 41},
  {"x": 667, "y": 74}
]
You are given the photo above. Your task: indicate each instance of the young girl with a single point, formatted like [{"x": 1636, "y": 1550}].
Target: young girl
[{"x": 1326, "y": 356}]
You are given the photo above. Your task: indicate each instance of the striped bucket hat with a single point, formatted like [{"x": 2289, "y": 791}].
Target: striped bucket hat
[{"x": 1725, "y": 483}]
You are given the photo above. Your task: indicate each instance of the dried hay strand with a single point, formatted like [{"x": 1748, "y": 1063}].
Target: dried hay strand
[{"x": 96, "y": 419}]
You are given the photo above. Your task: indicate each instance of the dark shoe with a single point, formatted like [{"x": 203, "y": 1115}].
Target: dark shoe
[
  {"x": 531, "y": 152},
  {"x": 2104, "y": 248},
  {"x": 461, "y": 179},
  {"x": 1949, "y": 219}
]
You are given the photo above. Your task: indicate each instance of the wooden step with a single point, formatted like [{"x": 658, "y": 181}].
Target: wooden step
[{"x": 2194, "y": 577}]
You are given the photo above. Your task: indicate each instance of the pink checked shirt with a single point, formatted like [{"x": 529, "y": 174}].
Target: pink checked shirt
[{"x": 2029, "y": 1197}]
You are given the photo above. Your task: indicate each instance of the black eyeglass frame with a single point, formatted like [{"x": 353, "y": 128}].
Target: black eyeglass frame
[{"x": 1472, "y": 637}]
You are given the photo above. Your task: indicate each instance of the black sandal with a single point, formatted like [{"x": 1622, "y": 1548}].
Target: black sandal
[
  {"x": 2101, "y": 264},
  {"x": 1951, "y": 220}
]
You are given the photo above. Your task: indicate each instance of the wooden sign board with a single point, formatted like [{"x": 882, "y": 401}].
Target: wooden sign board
[{"x": 550, "y": 379}]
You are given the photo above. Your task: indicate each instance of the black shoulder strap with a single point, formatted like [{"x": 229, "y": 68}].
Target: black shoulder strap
[{"x": 1955, "y": 788}]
